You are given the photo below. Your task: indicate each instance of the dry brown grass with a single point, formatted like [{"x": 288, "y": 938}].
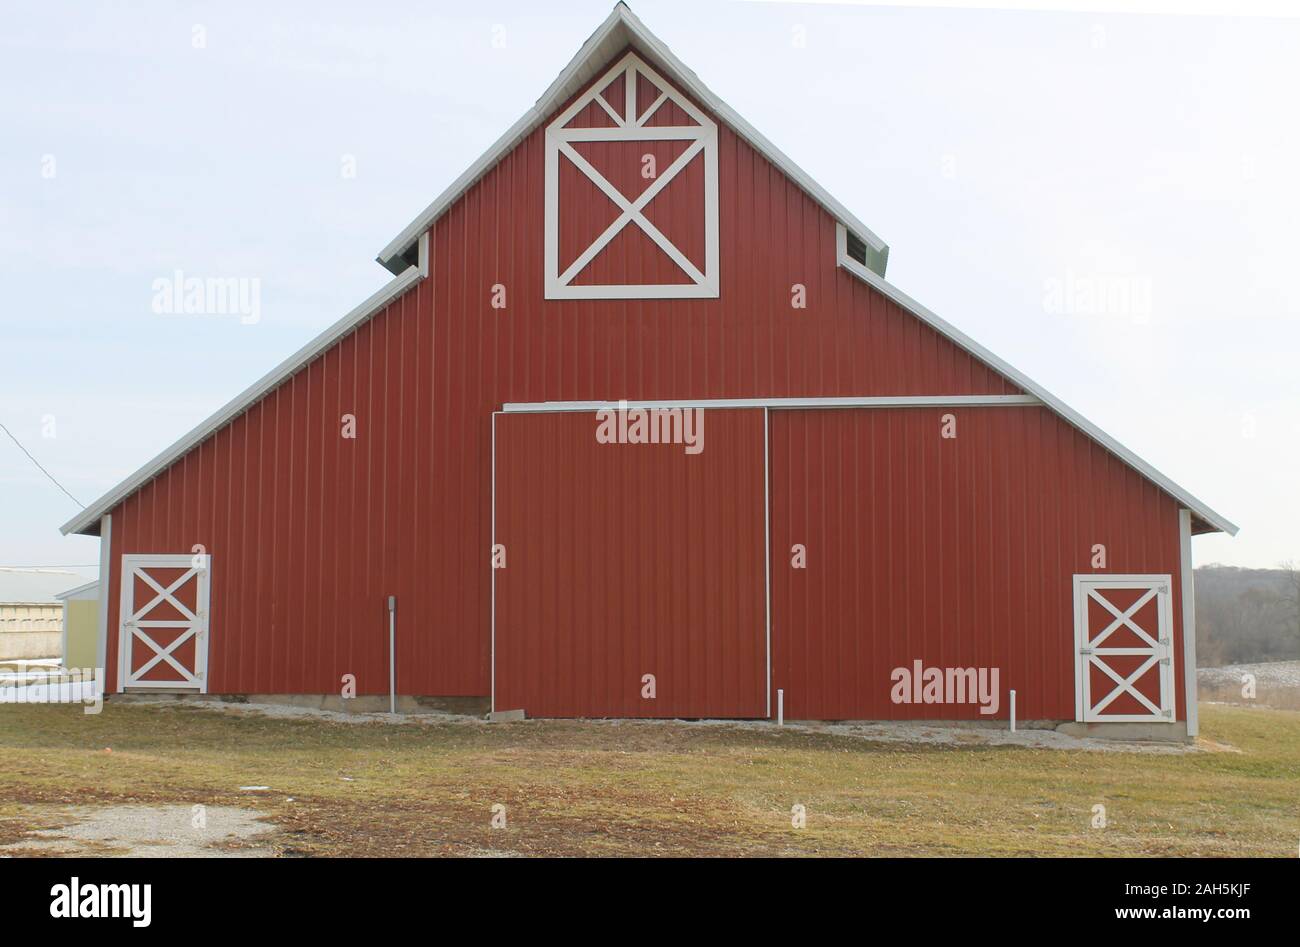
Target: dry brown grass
[{"x": 573, "y": 788}]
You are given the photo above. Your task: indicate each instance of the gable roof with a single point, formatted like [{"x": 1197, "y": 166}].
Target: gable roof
[{"x": 619, "y": 31}]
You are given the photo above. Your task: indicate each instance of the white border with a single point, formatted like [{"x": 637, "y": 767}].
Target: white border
[
  {"x": 630, "y": 127},
  {"x": 1164, "y": 611},
  {"x": 767, "y": 549}
]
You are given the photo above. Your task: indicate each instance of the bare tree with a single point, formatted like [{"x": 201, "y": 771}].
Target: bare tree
[
  {"x": 1246, "y": 616},
  {"x": 1291, "y": 594}
]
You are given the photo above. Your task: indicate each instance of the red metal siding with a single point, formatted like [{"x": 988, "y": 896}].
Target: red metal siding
[
  {"x": 630, "y": 559},
  {"x": 309, "y": 532},
  {"x": 957, "y": 552}
]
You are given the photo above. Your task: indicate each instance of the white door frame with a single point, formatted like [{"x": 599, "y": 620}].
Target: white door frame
[
  {"x": 1159, "y": 651},
  {"x": 131, "y": 625}
]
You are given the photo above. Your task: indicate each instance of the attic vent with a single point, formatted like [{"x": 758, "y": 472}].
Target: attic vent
[
  {"x": 857, "y": 248},
  {"x": 411, "y": 257}
]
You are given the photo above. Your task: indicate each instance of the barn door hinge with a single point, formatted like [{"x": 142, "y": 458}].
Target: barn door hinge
[
  {"x": 1164, "y": 661},
  {"x": 1167, "y": 713}
]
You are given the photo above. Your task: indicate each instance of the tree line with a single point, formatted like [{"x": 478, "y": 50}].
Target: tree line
[{"x": 1246, "y": 616}]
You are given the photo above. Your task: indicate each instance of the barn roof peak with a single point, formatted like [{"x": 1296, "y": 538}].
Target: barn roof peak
[
  {"x": 622, "y": 30},
  {"x": 408, "y": 257}
]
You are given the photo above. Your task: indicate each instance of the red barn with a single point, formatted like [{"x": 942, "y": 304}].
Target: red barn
[{"x": 640, "y": 429}]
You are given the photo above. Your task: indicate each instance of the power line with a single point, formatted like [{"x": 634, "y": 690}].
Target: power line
[{"x": 39, "y": 467}]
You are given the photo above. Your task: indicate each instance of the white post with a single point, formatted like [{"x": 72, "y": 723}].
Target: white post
[
  {"x": 780, "y": 708},
  {"x": 392, "y": 654},
  {"x": 1187, "y": 580},
  {"x": 1013, "y": 711}
]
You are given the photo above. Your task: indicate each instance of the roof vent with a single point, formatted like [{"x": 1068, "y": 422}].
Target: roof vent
[{"x": 857, "y": 248}]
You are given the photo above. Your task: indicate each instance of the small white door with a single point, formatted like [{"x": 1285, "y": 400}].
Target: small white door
[
  {"x": 1124, "y": 645},
  {"x": 163, "y": 636}
]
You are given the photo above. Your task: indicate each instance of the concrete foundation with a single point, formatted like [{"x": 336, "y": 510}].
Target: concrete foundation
[
  {"x": 365, "y": 704},
  {"x": 480, "y": 706},
  {"x": 1125, "y": 732},
  {"x": 1175, "y": 732}
]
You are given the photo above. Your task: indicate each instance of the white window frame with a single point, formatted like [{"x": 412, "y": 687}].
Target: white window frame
[{"x": 629, "y": 126}]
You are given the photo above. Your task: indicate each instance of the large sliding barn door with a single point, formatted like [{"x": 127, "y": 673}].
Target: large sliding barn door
[
  {"x": 634, "y": 578},
  {"x": 164, "y": 622},
  {"x": 1125, "y": 669}
]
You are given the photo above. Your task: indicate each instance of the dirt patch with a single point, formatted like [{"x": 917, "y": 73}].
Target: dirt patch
[{"x": 138, "y": 831}]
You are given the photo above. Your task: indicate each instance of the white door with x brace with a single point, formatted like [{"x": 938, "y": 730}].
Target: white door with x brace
[
  {"x": 163, "y": 639},
  {"x": 1124, "y": 644}
]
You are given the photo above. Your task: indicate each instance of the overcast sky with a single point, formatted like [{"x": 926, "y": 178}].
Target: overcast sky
[{"x": 1110, "y": 202}]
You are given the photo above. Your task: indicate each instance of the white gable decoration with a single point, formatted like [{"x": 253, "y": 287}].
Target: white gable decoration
[{"x": 630, "y": 123}]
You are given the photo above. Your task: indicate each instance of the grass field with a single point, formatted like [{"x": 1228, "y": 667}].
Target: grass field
[{"x": 652, "y": 788}]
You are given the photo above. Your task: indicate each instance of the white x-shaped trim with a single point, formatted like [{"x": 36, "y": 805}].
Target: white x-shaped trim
[
  {"x": 1125, "y": 618},
  {"x": 165, "y": 654},
  {"x": 166, "y": 594},
  {"x": 1124, "y": 684},
  {"x": 631, "y": 126},
  {"x": 631, "y": 212}
]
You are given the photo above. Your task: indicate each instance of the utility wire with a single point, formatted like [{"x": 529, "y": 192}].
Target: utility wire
[{"x": 39, "y": 467}]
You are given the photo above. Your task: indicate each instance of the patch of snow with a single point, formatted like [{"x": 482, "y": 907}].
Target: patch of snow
[{"x": 1267, "y": 674}]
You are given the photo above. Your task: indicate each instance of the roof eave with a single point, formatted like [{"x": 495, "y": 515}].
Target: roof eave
[
  {"x": 1200, "y": 511},
  {"x": 87, "y": 521}
]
